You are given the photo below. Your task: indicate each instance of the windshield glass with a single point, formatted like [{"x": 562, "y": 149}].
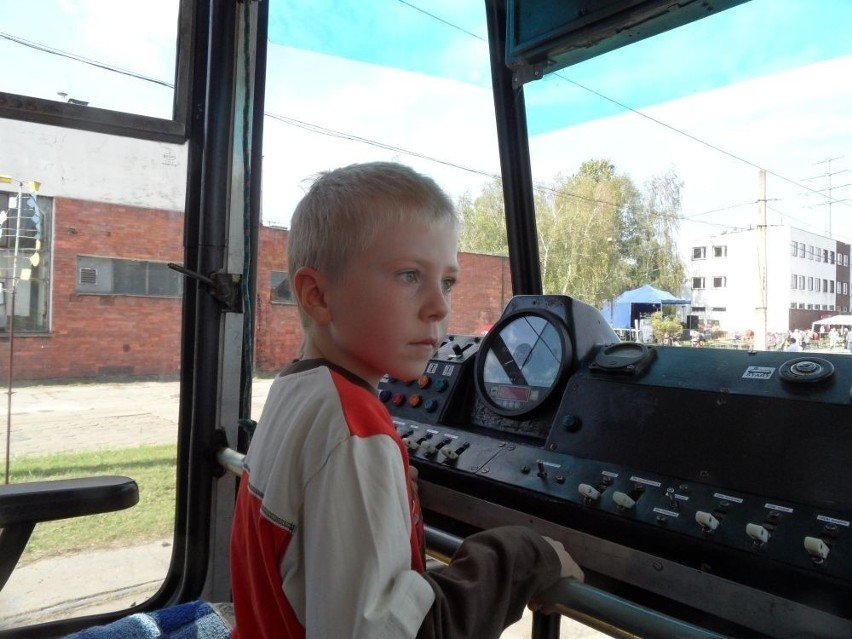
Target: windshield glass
[{"x": 662, "y": 163}]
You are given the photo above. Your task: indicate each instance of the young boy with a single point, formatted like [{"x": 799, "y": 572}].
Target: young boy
[{"x": 327, "y": 539}]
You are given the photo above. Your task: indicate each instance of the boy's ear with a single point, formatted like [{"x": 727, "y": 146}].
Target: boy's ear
[{"x": 310, "y": 290}]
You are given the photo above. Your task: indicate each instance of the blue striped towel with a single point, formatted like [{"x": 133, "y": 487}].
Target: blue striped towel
[{"x": 193, "y": 620}]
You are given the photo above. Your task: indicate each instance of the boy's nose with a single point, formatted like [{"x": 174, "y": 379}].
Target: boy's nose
[{"x": 437, "y": 304}]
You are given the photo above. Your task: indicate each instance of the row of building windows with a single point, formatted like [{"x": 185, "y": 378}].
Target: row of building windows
[
  {"x": 718, "y": 281},
  {"x": 802, "y": 283},
  {"x": 113, "y": 276},
  {"x": 797, "y": 249},
  {"x": 817, "y": 307},
  {"x": 809, "y": 252},
  {"x": 700, "y": 252}
]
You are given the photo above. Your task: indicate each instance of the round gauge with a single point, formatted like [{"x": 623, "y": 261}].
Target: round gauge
[{"x": 521, "y": 360}]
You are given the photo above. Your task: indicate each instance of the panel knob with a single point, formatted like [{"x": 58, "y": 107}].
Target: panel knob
[
  {"x": 623, "y": 500},
  {"x": 589, "y": 492},
  {"x": 707, "y": 521},
  {"x": 758, "y": 533},
  {"x": 816, "y": 548}
]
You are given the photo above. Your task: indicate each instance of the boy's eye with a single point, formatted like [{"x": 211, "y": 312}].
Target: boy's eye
[
  {"x": 409, "y": 277},
  {"x": 447, "y": 284}
]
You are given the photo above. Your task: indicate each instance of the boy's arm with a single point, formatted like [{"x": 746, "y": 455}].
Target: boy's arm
[
  {"x": 491, "y": 578},
  {"x": 357, "y": 550}
]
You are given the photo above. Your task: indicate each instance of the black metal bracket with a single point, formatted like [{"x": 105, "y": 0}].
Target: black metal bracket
[{"x": 226, "y": 288}]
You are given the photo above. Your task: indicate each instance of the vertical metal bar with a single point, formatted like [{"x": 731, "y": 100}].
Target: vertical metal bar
[
  {"x": 545, "y": 626},
  {"x": 213, "y": 228},
  {"x": 513, "y": 143}
]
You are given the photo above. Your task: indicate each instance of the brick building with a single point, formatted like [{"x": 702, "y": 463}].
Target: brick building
[{"x": 102, "y": 301}]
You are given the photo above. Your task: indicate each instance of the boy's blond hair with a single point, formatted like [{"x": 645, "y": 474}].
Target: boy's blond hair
[{"x": 345, "y": 208}]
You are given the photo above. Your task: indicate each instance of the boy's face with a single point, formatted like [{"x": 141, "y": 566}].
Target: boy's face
[{"x": 390, "y": 308}]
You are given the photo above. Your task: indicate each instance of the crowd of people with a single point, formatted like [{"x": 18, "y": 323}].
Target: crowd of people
[
  {"x": 799, "y": 340},
  {"x": 832, "y": 338}
]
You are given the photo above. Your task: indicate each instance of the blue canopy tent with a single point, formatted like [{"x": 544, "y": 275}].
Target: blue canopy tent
[{"x": 631, "y": 305}]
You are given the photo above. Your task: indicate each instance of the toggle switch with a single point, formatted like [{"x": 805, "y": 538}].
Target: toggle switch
[
  {"x": 431, "y": 448},
  {"x": 589, "y": 492},
  {"x": 453, "y": 455},
  {"x": 707, "y": 521},
  {"x": 672, "y": 499},
  {"x": 623, "y": 500},
  {"x": 816, "y": 548},
  {"x": 542, "y": 469},
  {"x": 415, "y": 444},
  {"x": 758, "y": 533}
]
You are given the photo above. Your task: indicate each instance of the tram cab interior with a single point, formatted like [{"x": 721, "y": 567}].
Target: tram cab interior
[{"x": 705, "y": 492}]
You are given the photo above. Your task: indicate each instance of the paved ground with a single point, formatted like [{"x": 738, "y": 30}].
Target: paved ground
[{"x": 48, "y": 419}]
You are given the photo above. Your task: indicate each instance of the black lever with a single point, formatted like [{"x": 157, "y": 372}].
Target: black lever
[{"x": 224, "y": 287}]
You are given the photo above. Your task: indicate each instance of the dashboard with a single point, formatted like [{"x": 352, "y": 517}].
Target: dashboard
[{"x": 712, "y": 482}]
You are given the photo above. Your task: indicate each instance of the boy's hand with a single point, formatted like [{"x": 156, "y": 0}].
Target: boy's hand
[
  {"x": 569, "y": 566},
  {"x": 569, "y": 569}
]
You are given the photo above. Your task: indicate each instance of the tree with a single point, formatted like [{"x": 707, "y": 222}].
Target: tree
[
  {"x": 484, "y": 221},
  {"x": 650, "y": 235},
  {"x": 665, "y": 323},
  {"x": 597, "y": 235}
]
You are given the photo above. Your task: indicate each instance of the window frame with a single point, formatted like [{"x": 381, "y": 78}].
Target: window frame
[
  {"x": 83, "y": 117},
  {"x": 108, "y": 287}
]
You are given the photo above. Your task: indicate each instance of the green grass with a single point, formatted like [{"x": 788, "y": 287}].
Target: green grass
[{"x": 153, "y": 469}]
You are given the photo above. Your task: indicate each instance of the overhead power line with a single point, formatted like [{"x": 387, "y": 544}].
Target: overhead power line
[
  {"x": 342, "y": 135},
  {"x": 78, "y": 58}
]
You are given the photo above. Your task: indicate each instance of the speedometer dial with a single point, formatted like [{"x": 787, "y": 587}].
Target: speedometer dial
[{"x": 521, "y": 361}]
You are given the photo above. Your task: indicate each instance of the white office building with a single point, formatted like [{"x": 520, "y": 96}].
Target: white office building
[{"x": 806, "y": 279}]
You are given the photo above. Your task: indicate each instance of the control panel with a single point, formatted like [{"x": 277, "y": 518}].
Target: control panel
[{"x": 729, "y": 463}]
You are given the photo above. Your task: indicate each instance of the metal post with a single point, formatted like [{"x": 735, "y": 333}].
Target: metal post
[
  {"x": 12, "y": 329},
  {"x": 759, "y": 343},
  {"x": 11, "y": 370}
]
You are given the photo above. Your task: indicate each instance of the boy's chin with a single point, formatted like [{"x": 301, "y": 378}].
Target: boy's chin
[{"x": 409, "y": 373}]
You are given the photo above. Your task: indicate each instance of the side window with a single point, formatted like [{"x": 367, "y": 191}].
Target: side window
[
  {"x": 281, "y": 292},
  {"x": 25, "y": 258},
  {"x": 111, "y": 276}
]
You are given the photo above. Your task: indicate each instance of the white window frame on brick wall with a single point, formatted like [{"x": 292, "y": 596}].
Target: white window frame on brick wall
[
  {"x": 279, "y": 288},
  {"x": 30, "y": 236},
  {"x": 120, "y": 276}
]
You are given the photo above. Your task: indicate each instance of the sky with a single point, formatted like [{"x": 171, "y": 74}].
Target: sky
[{"x": 765, "y": 85}]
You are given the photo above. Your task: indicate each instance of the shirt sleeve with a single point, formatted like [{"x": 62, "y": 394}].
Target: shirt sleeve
[
  {"x": 488, "y": 583},
  {"x": 356, "y": 541}
]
